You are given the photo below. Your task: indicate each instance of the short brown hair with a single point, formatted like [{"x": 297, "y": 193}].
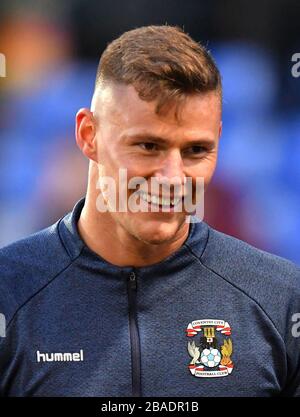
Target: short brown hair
[{"x": 161, "y": 62}]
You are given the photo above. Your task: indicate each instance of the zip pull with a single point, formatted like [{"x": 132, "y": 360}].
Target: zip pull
[{"x": 132, "y": 278}]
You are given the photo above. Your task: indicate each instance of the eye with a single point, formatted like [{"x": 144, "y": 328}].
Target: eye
[
  {"x": 195, "y": 150},
  {"x": 148, "y": 146}
]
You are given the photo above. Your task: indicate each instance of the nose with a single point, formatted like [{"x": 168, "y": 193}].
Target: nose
[{"x": 171, "y": 172}]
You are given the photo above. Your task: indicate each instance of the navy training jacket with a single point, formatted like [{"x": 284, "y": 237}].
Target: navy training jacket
[{"x": 216, "y": 318}]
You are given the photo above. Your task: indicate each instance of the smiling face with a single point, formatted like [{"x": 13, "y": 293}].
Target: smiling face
[{"x": 130, "y": 135}]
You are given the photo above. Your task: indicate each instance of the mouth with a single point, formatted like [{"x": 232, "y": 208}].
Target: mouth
[{"x": 160, "y": 201}]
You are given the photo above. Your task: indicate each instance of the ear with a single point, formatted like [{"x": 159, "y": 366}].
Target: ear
[{"x": 86, "y": 133}]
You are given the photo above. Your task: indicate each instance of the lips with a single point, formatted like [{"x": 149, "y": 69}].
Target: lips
[{"x": 160, "y": 200}]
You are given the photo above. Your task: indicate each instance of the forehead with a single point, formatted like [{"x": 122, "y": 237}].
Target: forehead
[{"x": 121, "y": 105}]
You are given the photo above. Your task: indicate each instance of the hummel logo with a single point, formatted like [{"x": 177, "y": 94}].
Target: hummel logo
[{"x": 59, "y": 357}]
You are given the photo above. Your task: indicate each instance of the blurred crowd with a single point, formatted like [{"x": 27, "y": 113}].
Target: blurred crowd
[{"x": 52, "y": 51}]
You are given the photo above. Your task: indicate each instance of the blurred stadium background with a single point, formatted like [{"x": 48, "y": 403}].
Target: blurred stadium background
[{"x": 52, "y": 49}]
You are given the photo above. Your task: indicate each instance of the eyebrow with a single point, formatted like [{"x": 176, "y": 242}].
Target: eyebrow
[{"x": 162, "y": 141}]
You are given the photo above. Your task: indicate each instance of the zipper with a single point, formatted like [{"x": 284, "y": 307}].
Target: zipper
[{"x": 134, "y": 336}]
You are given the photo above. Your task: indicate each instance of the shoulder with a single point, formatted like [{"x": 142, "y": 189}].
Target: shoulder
[
  {"x": 269, "y": 280},
  {"x": 26, "y": 266},
  {"x": 235, "y": 256}
]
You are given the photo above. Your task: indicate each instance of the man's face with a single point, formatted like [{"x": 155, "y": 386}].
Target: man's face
[{"x": 130, "y": 135}]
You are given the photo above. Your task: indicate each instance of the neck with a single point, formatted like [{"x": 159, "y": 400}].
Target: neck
[{"x": 116, "y": 245}]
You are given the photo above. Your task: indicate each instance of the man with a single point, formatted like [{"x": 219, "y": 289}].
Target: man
[{"x": 114, "y": 301}]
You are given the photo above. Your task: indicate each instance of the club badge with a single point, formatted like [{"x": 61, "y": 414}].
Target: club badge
[{"x": 211, "y": 353}]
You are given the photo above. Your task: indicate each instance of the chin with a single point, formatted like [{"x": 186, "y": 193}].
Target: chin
[{"x": 155, "y": 232}]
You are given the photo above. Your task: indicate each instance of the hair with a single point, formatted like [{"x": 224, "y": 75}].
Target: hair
[{"x": 163, "y": 63}]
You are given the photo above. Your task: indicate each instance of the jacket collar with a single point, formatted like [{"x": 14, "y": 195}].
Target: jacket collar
[{"x": 68, "y": 231}]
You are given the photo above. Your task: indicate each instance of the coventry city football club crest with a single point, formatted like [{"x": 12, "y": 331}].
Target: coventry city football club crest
[{"x": 211, "y": 353}]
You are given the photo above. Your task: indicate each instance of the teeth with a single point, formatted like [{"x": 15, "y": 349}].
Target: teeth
[
  {"x": 165, "y": 201},
  {"x": 145, "y": 197},
  {"x": 176, "y": 201},
  {"x": 155, "y": 200}
]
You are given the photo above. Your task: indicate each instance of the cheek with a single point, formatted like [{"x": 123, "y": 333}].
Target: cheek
[
  {"x": 122, "y": 172},
  {"x": 122, "y": 161},
  {"x": 210, "y": 167},
  {"x": 116, "y": 157},
  {"x": 109, "y": 158},
  {"x": 204, "y": 169}
]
